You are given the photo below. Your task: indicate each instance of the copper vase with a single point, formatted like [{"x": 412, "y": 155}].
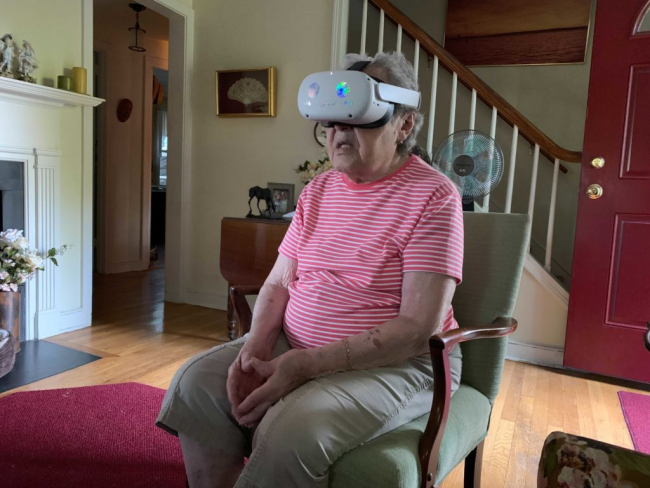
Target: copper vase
[{"x": 10, "y": 314}]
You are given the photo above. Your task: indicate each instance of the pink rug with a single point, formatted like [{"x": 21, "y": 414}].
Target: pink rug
[
  {"x": 636, "y": 410},
  {"x": 97, "y": 436}
]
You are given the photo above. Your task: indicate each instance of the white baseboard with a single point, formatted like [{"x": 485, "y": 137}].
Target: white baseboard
[
  {"x": 540, "y": 355},
  {"x": 74, "y": 320},
  {"x": 218, "y": 301}
]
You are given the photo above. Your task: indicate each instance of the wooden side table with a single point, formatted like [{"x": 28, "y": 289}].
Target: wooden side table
[{"x": 249, "y": 249}]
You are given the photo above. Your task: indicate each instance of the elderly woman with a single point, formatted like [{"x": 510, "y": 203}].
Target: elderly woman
[{"x": 337, "y": 353}]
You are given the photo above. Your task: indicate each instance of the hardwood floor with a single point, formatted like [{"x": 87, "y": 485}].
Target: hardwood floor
[{"x": 144, "y": 340}]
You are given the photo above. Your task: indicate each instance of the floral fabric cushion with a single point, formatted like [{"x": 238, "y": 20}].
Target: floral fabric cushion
[{"x": 570, "y": 461}]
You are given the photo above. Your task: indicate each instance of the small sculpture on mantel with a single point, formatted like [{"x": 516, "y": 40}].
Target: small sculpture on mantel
[
  {"x": 27, "y": 63},
  {"x": 261, "y": 194},
  {"x": 6, "y": 55}
]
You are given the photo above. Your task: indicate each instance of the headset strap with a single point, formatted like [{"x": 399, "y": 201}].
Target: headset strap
[{"x": 359, "y": 65}]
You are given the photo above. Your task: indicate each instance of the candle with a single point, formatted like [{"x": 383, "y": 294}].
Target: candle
[
  {"x": 64, "y": 83},
  {"x": 79, "y": 77}
]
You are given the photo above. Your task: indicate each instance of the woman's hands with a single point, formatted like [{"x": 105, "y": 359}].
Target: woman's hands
[
  {"x": 280, "y": 377},
  {"x": 242, "y": 378}
]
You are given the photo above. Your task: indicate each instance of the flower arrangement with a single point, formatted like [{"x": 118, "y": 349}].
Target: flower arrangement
[
  {"x": 311, "y": 169},
  {"x": 18, "y": 263}
]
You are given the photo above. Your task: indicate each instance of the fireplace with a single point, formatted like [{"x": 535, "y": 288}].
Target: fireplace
[{"x": 12, "y": 212}]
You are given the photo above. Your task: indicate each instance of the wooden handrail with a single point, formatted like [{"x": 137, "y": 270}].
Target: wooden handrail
[{"x": 511, "y": 115}]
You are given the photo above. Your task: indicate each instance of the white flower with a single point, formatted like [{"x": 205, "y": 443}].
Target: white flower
[
  {"x": 3, "y": 275},
  {"x": 34, "y": 260},
  {"x": 9, "y": 287},
  {"x": 20, "y": 243}
]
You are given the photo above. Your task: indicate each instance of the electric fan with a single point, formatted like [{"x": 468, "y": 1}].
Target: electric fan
[{"x": 472, "y": 160}]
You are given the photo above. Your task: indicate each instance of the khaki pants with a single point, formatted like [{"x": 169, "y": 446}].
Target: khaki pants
[{"x": 306, "y": 431}]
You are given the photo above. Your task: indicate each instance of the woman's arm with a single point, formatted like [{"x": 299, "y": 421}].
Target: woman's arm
[
  {"x": 426, "y": 298},
  {"x": 268, "y": 315}
]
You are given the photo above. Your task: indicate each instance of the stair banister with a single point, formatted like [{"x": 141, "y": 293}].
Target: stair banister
[{"x": 527, "y": 129}]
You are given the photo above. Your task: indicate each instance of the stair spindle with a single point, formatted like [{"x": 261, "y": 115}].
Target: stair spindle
[
  {"x": 452, "y": 109},
  {"x": 380, "y": 44},
  {"x": 472, "y": 111},
  {"x": 493, "y": 132},
  {"x": 511, "y": 169},
  {"x": 533, "y": 185},
  {"x": 364, "y": 27},
  {"x": 432, "y": 106},
  {"x": 399, "y": 39},
  {"x": 416, "y": 58},
  {"x": 551, "y": 218}
]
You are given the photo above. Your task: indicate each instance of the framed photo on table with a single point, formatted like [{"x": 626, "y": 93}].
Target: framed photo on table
[
  {"x": 283, "y": 197},
  {"x": 246, "y": 92}
]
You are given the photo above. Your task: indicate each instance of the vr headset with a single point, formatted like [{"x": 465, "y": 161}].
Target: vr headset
[{"x": 351, "y": 98}]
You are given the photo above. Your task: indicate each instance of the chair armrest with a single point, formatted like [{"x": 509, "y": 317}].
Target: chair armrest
[
  {"x": 440, "y": 345},
  {"x": 237, "y": 295},
  {"x": 500, "y": 327}
]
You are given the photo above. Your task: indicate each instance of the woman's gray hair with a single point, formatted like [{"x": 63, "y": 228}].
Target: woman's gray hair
[{"x": 399, "y": 72}]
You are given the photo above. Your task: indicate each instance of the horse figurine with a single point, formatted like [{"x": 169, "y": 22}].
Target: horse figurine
[{"x": 261, "y": 194}]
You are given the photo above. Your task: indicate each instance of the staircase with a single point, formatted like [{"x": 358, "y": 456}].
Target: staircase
[{"x": 454, "y": 98}]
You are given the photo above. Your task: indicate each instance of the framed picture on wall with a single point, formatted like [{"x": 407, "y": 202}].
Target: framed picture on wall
[
  {"x": 246, "y": 92},
  {"x": 283, "y": 197}
]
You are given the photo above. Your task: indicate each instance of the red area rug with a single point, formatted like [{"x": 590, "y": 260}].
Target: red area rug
[
  {"x": 96, "y": 436},
  {"x": 636, "y": 410}
]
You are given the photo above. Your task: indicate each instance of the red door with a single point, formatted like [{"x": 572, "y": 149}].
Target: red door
[{"x": 610, "y": 293}]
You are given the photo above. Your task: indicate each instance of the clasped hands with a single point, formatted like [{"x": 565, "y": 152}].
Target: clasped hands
[{"x": 256, "y": 382}]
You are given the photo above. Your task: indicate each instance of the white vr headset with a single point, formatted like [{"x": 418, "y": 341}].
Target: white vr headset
[{"x": 351, "y": 98}]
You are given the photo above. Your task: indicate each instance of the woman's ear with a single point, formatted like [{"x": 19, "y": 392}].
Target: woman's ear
[{"x": 407, "y": 126}]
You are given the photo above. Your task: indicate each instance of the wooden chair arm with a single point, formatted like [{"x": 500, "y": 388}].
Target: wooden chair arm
[
  {"x": 237, "y": 295},
  {"x": 440, "y": 345}
]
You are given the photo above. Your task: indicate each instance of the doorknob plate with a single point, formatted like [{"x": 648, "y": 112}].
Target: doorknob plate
[{"x": 594, "y": 191}]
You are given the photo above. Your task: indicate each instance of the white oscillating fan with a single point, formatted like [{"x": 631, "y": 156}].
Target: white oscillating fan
[{"x": 472, "y": 160}]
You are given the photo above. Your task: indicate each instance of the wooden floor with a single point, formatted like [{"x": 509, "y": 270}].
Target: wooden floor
[{"x": 142, "y": 339}]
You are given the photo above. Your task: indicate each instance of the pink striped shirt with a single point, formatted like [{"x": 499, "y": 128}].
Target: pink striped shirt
[{"x": 353, "y": 243}]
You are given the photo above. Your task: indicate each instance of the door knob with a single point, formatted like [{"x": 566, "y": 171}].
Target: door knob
[{"x": 594, "y": 191}]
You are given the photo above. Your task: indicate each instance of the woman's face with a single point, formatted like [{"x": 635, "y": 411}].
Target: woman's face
[{"x": 367, "y": 153}]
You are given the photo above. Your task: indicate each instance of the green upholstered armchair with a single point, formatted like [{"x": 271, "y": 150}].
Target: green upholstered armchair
[{"x": 424, "y": 451}]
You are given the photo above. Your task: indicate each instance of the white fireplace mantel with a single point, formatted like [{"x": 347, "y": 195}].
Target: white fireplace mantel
[
  {"x": 21, "y": 91},
  {"x": 35, "y": 135}
]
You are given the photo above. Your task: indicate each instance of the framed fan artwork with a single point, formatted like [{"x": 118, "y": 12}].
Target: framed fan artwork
[{"x": 246, "y": 92}]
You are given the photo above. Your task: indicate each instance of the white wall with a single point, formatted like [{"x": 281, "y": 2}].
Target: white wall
[
  {"x": 231, "y": 155},
  {"x": 57, "y": 51},
  {"x": 125, "y": 200}
]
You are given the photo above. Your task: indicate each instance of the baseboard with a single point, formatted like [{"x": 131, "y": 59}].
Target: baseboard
[
  {"x": 74, "y": 320},
  {"x": 540, "y": 355},
  {"x": 218, "y": 301}
]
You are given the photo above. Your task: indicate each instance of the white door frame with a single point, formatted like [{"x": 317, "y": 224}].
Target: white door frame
[{"x": 181, "y": 59}]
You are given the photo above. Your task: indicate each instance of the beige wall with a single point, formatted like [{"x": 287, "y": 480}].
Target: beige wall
[
  {"x": 232, "y": 155},
  {"x": 124, "y": 202},
  {"x": 56, "y": 53}
]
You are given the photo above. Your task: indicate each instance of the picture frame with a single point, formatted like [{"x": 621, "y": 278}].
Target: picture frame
[
  {"x": 246, "y": 92},
  {"x": 283, "y": 197}
]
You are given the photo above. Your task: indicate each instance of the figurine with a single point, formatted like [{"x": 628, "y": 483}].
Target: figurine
[
  {"x": 27, "y": 63},
  {"x": 261, "y": 194},
  {"x": 6, "y": 55}
]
